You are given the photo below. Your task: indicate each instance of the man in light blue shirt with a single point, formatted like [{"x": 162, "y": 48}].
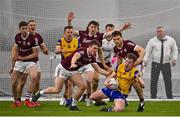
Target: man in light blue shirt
[{"x": 164, "y": 52}]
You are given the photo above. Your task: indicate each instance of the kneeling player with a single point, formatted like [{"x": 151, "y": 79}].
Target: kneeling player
[{"x": 126, "y": 75}]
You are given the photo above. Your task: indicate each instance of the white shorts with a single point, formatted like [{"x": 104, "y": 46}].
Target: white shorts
[
  {"x": 61, "y": 72},
  {"x": 22, "y": 66},
  {"x": 86, "y": 68},
  {"x": 38, "y": 66}
]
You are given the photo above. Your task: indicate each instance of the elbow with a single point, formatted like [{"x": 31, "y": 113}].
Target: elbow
[{"x": 143, "y": 86}]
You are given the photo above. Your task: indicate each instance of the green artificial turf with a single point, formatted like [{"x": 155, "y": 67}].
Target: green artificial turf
[{"x": 152, "y": 108}]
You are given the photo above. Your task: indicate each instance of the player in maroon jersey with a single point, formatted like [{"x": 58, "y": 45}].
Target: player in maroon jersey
[
  {"x": 86, "y": 36},
  {"x": 121, "y": 49},
  {"x": 24, "y": 55},
  {"x": 68, "y": 69},
  {"x": 39, "y": 40}
]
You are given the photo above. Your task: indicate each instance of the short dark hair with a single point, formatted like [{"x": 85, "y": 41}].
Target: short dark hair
[
  {"x": 31, "y": 21},
  {"x": 22, "y": 23},
  {"x": 115, "y": 33},
  {"x": 109, "y": 25},
  {"x": 131, "y": 56},
  {"x": 94, "y": 23},
  {"x": 94, "y": 42},
  {"x": 67, "y": 27}
]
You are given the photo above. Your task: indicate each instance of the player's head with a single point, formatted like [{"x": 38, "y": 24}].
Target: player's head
[
  {"x": 93, "y": 27},
  {"x": 109, "y": 27},
  {"x": 23, "y": 28},
  {"x": 32, "y": 26},
  {"x": 68, "y": 33},
  {"x": 117, "y": 38},
  {"x": 93, "y": 47},
  {"x": 160, "y": 32},
  {"x": 130, "y": 59}
]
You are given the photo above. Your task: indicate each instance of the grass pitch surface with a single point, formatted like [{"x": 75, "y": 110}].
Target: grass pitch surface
[{"x": 152, "y": 108}]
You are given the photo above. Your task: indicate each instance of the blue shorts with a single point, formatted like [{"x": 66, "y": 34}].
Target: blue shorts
[{"x": 113, "y": 94}]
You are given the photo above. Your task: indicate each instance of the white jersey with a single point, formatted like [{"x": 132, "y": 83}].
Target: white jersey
[{"x": 107, "y": 47}]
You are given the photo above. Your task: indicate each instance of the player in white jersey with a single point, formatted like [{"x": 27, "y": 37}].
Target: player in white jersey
[{"x": 107, "y": 47}]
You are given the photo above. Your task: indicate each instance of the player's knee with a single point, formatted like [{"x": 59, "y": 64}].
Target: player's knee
[
  {"x": 118, "y": 109},
  {"x": 34, "y": 76}
]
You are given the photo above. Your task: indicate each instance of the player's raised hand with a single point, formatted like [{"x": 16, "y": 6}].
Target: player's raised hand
[
  {"x": 126, "y": 26},
  {"x": 70, "y": 16}
]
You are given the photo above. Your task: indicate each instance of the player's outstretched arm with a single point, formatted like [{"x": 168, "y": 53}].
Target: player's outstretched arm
[
  {"x": 125, "y": 26},
  {"x": 100, "y": 70},
  {"x": 75, "y": 57},
  {"x": 70, "y": 17},
  {"x": 113, "y": 75}
]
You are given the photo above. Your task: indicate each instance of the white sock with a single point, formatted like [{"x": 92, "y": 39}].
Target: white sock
[
  {"x": 74, "y": 102},
  {"x": 41, "y": 92}
]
